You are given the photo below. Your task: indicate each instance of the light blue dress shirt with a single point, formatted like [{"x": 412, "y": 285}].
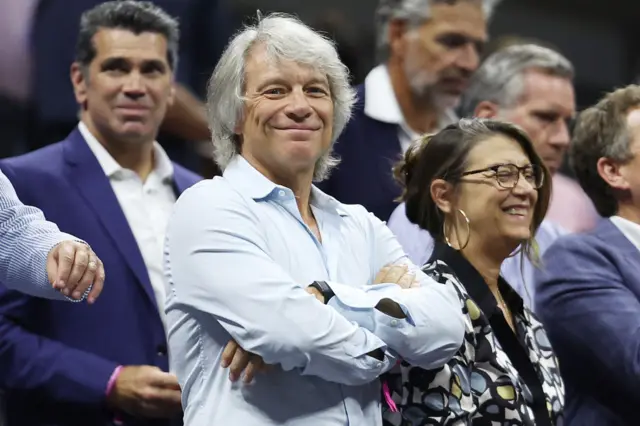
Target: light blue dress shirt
[
  {"x": 26, "y": 239},
  {"x": 418, "y": 244},
  {"x": 238, "y": 258}
]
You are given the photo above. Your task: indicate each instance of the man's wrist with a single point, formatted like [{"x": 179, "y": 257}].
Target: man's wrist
[
  {"x": 112, "y": 380},
  {"x": 324, "y": 290}
]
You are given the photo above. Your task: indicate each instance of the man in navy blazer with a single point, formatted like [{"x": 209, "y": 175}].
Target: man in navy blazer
[
  {"x": 205, "y": 29},
  {"x": 429, "y": 50},
  {"x": 588, "y": 292},
  {"x": 63, "y": 364}
]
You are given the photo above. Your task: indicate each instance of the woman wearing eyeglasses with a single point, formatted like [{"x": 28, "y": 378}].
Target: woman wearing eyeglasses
[{"x": 481, "y": 191}]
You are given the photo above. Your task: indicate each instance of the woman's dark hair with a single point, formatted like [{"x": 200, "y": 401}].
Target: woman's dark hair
[{"x": 444, "y": 155}]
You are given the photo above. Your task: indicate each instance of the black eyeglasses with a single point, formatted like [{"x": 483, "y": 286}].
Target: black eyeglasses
[{"x": 508, "y": 175}]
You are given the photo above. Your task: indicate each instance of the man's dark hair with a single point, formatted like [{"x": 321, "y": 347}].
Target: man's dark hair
[{"x": 134, "y": 16}]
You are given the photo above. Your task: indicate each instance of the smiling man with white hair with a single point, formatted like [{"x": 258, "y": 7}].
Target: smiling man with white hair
[{"x": 262, "y": 263}]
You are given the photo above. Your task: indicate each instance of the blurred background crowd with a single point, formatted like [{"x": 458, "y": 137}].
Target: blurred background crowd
[{"x": 36, "y": 98}]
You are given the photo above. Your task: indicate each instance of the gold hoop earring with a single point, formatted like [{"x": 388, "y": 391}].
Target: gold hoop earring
[{"x": 444, "y": 231}]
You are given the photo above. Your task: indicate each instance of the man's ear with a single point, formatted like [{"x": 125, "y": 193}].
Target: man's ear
[
  {"x": 442, "y": 195},
  {"x": 612, "y": 173},
  {"x": 486, "y": 109},
  {"x": 239, "y": 126},
  {"x": 79, "y": 82}
]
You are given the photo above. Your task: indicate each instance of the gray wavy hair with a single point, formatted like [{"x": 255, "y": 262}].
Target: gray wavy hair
[
  {"x": 500, "y": 78},
  {"x": 415, "y": 13},
  {"x": 285, "y": 38}
]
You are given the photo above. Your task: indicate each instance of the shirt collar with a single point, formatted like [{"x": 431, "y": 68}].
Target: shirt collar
[
  {"x": 473, "y": 282},
  {"x": 326, "y": 202},
  {"x": 163, "y": 166},
  {"x": 380, "y": 101},
  {"x": 249, "y": 181},
  {"x": 630, "y": 230}
]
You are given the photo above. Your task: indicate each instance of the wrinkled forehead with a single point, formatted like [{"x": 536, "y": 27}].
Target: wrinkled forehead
[
  {"x": 464, "y": 17},
  {"x": 117, "y": 42},
  {"x": 546, "y": 90},
  {"x": 262, "y": 65}
]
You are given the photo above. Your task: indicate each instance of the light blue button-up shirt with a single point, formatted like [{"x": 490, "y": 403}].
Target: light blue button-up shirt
[
  {"x": 418, "y": 244},
  {"x": 238, "y": 259}
]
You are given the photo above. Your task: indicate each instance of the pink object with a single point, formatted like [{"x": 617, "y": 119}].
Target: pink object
[
  {"x": 570, "y": 207},
  {"x": 110, "y": 385},
  {"x": 112, "y": 379},
  {"x": 387, "y": 397}
]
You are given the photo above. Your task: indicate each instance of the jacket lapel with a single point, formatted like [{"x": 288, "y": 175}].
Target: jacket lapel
[
  {"x": 183, "y": 179},
  {"x": 85, "y": 173},
  {"x": 609, "y": 233},
  {"x": 385, "y": 148}
]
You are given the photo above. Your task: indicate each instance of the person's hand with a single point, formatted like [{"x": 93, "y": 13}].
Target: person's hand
[
  {"x": 316, "y": 293},
  {"x": 238, "y": 361},
  {"x": 73, "y": 268},
  {"x": 146, "y": 391},
  {"x": 397, "y": 274}
]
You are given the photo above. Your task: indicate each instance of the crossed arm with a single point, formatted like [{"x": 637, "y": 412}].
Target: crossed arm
[
  {"x": 211, "y": 243},
  {"x": 244, "y": 364}
]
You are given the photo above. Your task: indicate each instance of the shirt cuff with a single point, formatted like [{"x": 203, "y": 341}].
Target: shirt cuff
[{"x": 357, "y": 304}]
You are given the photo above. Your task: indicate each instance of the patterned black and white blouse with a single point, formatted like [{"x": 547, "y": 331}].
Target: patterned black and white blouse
[{"x": 497, "y": 378}]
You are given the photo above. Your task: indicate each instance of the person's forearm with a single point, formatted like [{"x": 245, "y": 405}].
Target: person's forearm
[
  {"x": 187, "y": 117},
  {"x": 423, "y": 325},
  {"x": 30, "y": 265},
  {"x": 32, "y": 363},
  {"x": 26, "y": 239}
]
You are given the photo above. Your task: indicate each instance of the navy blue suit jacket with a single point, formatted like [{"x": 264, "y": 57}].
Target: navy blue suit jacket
[
  {"x": 368, "y": 148},
  {"x": 588, "y": 297},
  {"x": 56, "y": 358}
]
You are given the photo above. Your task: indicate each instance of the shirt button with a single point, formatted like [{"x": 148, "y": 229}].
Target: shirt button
[
  {"x": 394, "y": 323},
  {"x": 281, "y": 193},
  {"x": 379, "y": 365},
  {"x": 162, "y": 350}
]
